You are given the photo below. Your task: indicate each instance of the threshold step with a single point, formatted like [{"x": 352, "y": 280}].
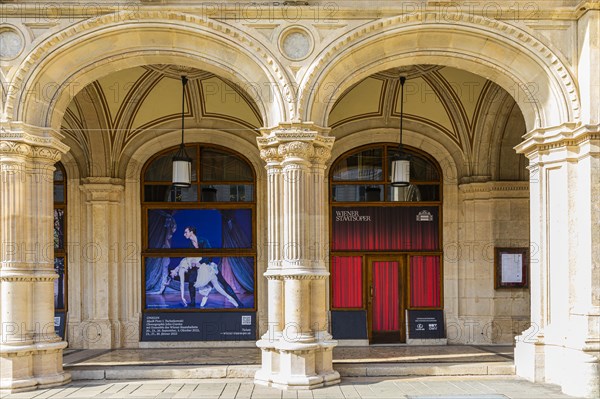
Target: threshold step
[{"x": 247, "y": 371}]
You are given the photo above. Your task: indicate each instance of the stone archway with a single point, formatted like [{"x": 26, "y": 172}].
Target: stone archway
[
  {"x": 55, "y": 71},
  {"x": 562, "y": 147},
  {"x": 511, "y": 57},
  {"x": 38, "y": 96}
]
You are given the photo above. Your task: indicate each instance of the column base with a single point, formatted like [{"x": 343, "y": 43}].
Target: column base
[
  {"x": 530, "y": 356},
  {"x": 31, "y": 367},
  {"x": 576, "y": 371},
  {"x": 296, "y": 366}
]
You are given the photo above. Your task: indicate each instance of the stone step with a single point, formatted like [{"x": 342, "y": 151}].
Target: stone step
[{"x": 248, "y": 371}]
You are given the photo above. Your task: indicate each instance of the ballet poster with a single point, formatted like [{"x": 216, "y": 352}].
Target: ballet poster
[
  {"x": 199, "y": 259},
  {"x": 200, "y": 282}
]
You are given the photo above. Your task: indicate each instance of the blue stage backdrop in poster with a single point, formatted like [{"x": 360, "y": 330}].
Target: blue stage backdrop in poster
[{"x": 213, "y": 228}]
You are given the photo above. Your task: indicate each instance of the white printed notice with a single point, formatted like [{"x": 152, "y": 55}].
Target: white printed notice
[{"x": 512, "y": 268}]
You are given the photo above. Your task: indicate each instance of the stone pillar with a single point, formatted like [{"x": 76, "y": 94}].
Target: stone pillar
[
  {"x": 562, "y": 345},
  {"x": 30, "y": 351},
  {"x": 297, "y": 347},
  {"x": 494, "y": 214},
  {"x": 100, "y": 266}
]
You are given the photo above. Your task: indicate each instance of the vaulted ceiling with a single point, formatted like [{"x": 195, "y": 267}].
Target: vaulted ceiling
[
  {"x": 453, "y": 106},
  {"x": 111, "y": 116},
  {"x": 125, "y": 106}
]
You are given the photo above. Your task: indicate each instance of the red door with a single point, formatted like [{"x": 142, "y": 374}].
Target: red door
[{"x": 386, "y": 300}]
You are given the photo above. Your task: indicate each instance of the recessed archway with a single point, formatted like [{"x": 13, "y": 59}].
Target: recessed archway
[
  {"x": 511, "y": 57},
  {"x": 56, "y": 71}
]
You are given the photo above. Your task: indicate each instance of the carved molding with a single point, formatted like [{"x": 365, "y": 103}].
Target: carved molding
[
  {"x": 230, "y": 34},
  {"x": 296, "y": 149},
  {"x": 22, "y": 149},
  {"x": 566, "y": 135},
  {"x": 494, "y": 186},
  {"x": 270, "y": 155},
  {"x": 292, "y": 276},
  {"x": 18, "y": 139},
  {"x": 321, "y": 155},
  {"x": 12, "y": 276},
  {"x": 506, "y": 33},
  {"x": 103, "y": 189}
]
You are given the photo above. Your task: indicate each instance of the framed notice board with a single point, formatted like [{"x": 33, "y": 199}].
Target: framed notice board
[{"x": 511, "y": 268}]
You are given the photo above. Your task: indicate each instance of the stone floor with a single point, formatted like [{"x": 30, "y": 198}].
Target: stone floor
[
  {"x": 470, "y": 387},
  {"x": 412, "y": 372}
]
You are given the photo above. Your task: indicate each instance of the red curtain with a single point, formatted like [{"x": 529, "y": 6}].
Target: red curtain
[
  {"x": 385, "y": 296},
  {"x": 385, "y": 228},
  {"x": 346, "y": 281},
  {"x": 425, "y": 281}
]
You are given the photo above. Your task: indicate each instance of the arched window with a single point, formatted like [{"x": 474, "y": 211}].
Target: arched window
[
  {"x": 364, "y": 176},
  {"x": 385, "y": 243},
  {"x": 199, "y": 246},
  {"x": 60, "y": 238}
]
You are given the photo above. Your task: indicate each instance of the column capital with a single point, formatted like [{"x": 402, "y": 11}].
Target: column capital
[
  {"x": 558, "y": 137},
  {"x": 295, "y": 140},
  {"x": 17, "y": 138},
  {"x": 102, "y": 189}
]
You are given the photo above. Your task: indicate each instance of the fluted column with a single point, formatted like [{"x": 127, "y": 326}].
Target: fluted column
[
  {"x": 101, "y": 295},
  {"x": 297, "y": 348},
  {"x": 563, "y": 342},
  {"x": 30, "y": 351},
  {"x": 270, "y": 357}
]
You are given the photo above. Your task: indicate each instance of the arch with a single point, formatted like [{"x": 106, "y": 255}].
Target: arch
[
  {"x": 140, "y": 154},
  {"x": 133, "y": 168},
  {"x": 448, "y": 155},
  {"x": 510, "y": 56},
  {"x": 51, "y": 75}
]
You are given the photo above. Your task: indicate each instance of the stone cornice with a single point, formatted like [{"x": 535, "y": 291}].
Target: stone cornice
[
  {"x": 495, "y": 189},
  {"x": 17, "y": 138},
  {"x": 103, "y": 182},
  {"x": 295, "y": 127},
  {"x": 515, "y": 9},
  {"x": 585, "y": 6},
  {"x": 566, "y": 135}
]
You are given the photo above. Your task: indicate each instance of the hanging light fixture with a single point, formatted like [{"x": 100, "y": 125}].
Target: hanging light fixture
[
  {"x": 182, "y": 163},
  {"x": 401, "y": 162}
]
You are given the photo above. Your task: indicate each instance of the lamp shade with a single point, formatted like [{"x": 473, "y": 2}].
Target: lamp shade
[
  {"x": 400, "y": 172},
  {"x": 182, "y": 169},
  {"x": 182, "y": 163}
]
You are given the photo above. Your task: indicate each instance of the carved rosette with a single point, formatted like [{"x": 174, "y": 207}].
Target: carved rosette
[
  {"x": 296, "y": 151},
  {"x": 321, "y": 155},
  {"x": 270, "y": 155}
]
